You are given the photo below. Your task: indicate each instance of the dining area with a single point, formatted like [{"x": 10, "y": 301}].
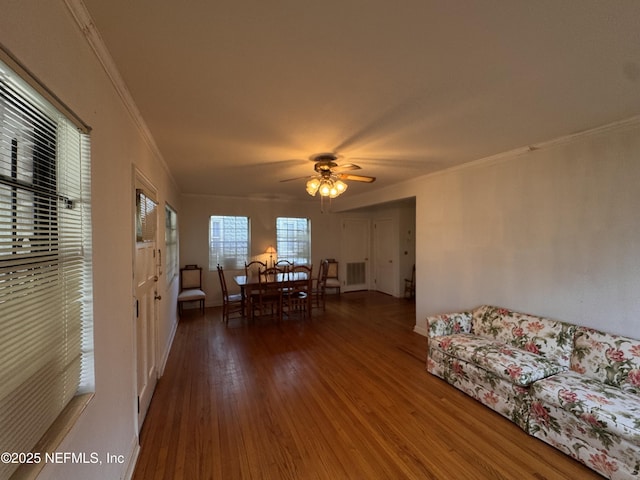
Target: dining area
[{"x": 281, "y": 291}]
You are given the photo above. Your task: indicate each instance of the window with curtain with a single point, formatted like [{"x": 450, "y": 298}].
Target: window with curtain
[
  {"x": 171, "y": 241},
  {"x": 228, "y": 242},
  {"x": 293, "y": 240},
  {"x": 46, "y": 346}
]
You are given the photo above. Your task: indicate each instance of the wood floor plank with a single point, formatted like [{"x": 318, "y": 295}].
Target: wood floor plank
[{"x": 344, "y": 395}]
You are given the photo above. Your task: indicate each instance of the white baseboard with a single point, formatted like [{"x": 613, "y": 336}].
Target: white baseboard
[
  {"x": 421, "y": 330},
  {"x": 165, "y": 354},
  {"x": 133, "y": 459}
]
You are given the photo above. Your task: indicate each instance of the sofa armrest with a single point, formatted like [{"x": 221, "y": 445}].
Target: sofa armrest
[{"x": 449, "y": 323}]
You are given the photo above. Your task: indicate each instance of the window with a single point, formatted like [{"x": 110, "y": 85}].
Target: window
[
  {"x": 228, "y": 242},
  {"x": 293, "y": 240},
  {"x": 171, "y": 241},
  {"x": 146, "y": 217},
  {"x": 46, "y": 349}
]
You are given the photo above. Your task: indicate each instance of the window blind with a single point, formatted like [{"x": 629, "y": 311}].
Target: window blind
[
  {"x": 228, "y": 242},
  {"x": 146, "y": 223},
  {"x": 171, "y": 241},
  {"x": 46, "y": 346},
  {"x": 293, "y": 240}
]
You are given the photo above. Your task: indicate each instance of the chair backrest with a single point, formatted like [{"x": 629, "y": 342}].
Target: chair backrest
[
  {"x": 307, "y": 284},
  {"x": 332, "y": 268},
  {"x": 254, "y": 267},
  {"x": 322, "y": 272},
  {"x": 302, "y": 268},
  {"x": 284, "y": 264},
  {"x": 266, "y": 287},
  {"x": 190, "y": 277},
  {"x": 265, "y": 272},
  {"x": 223, "y": 282}
]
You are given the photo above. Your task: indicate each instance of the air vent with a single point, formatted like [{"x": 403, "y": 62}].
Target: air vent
[{"x": 356, "y": 273}]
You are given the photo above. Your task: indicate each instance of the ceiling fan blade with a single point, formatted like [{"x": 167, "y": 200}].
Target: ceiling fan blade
[
  {"x": 345, "y": 167},
  {"x": 297, "y": 178},
  {"x": 356, "y": 178}
]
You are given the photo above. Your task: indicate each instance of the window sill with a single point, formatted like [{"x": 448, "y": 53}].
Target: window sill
[{"x": 53, "y": 436}]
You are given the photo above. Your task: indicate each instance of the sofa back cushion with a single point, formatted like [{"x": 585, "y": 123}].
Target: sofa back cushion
[
  {"x": 612, "y": 359},
  {"x": 449, "y": 324},
  {"x": 543, "y": 336}
]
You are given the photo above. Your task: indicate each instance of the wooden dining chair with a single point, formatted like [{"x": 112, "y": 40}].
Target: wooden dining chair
[
  {"x": 191, "y": 287},
  {"x": 298, "y": 296},
  {"x": 231, "y": 303},
  {"x": 268, "y": 298},
  {"x": 317, "y": 287},
  {"x": 252, "y": 269},
  {"x": 331, "y": 278}
]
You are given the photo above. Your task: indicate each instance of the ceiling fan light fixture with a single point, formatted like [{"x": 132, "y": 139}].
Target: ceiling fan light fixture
[
  {"x": 326, "y": 186},
  {"x": 312, "y": 186},
  {"x": 341, "y": 187},
  {"x": 328, "y": 180}
]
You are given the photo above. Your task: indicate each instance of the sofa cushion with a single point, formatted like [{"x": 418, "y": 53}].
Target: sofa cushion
[
  {"x": 605, "y": 409},
  {"x": 449, "y": 323},
  {"x": 513, "y": 364},
  {"x": 551, "y": 338},
  {"x": 612, "y": 359}
]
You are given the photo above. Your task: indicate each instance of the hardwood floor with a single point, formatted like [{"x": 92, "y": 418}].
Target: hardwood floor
[{"x": 343, "y": 396}]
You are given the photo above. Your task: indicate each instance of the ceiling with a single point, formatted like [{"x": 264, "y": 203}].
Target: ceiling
[{"x": 238, "y": 94}]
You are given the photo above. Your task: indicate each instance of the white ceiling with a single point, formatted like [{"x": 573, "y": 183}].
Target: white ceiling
[{"x": 239, "y": 93}]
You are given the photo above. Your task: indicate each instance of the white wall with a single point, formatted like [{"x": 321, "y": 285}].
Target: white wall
[
  {"x": 47, "y": 41},
  {"x": 407, "y": 245},
  {"x": 554, "y": 232}
]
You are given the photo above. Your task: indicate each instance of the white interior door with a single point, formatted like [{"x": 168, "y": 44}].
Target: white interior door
[
  {"x": 145, "y": 284},
  {"x": 355, "y": 251},
  {"x": 385, "y": 270}
]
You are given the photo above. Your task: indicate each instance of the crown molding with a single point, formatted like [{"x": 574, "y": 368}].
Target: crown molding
[
  {"x": 83, "y": 19},
  {"x": 628, "y": 123}
]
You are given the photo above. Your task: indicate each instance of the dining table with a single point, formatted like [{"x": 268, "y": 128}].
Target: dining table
[{"x": 247, "y": 283}]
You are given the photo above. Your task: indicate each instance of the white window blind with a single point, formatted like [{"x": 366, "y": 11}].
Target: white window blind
[
  {"x": 171, "y": 241},
  {"x": 46, "y": 346},
  {"x": 146, "y": 222},
  {"x": 228, "y": 242},
  {"x": 293, "y": 240}
]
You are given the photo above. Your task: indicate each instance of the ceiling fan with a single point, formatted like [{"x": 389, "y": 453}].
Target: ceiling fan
[{"x": 328, "y": 180}]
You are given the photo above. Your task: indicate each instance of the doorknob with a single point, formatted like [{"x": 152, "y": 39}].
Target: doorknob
[{"x": 157, "y": 297}]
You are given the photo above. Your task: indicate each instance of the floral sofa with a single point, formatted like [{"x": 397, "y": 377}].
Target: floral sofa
[{"x": 575, "y": 388}]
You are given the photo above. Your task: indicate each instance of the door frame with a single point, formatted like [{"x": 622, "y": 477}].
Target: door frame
[{"x": 142, "y": 182}]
